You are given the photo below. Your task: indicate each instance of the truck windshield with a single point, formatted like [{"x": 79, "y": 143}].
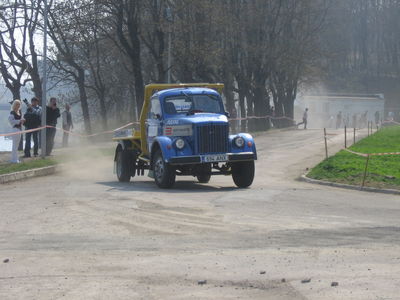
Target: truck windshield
[{"x": 184, "y": 104}]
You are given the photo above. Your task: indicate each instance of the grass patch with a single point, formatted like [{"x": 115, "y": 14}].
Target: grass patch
[
  {"x": 383, "y": 171},
  {"x": 28, "y": 165}
]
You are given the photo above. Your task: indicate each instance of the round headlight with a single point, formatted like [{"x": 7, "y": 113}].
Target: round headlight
[
  {"x": 180, "y": 143},
  {"x": 239, "y": 142}
]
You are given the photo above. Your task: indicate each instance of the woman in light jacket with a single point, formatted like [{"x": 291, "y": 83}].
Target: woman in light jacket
[{"x": 16, "y": 122}]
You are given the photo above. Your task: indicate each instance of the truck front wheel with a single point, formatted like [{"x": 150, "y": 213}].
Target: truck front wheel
[
  {"x": 243, "y": 173},
  {"x": 164, "y": 173}
]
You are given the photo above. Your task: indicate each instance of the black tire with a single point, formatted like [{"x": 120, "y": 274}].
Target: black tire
[
  {"x": 243, "y": 173},
  {"x": 125, "y": 165},
  {"x": 164, "y": 173},
  {"x": 204, "y": 174}
]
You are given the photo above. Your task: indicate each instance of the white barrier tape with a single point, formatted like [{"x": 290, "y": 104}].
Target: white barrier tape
[
  {"x": 69, "y": 132},
  {"x": 356, "y": 153},
  {"x": 22, "y": 131},
  {"x": 261, "y": 117},
  {"x": 387, "y": 153},
  {"x": 388, "y": 121},
  {"x": 372, "y": 154}
]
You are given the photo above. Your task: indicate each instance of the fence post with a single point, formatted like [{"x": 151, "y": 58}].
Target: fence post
[
  {"x": 345, "y": 136},
  {"x": 354, "y": 136},
  {"x": 326, "y": 144},
  {"x": 365, "y": 171}
]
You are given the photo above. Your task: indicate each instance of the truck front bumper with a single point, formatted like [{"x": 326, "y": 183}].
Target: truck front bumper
[{"x": 199, "y": 159}]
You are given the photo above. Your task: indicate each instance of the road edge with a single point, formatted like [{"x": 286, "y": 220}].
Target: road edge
[
  {"x": 348, "y": 186},
  {"x": 21, "y": 175}
]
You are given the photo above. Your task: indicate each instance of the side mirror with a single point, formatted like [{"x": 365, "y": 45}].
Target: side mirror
[
  {"x": 158, "y": 116},
  {"x": 227, "y": 114}
]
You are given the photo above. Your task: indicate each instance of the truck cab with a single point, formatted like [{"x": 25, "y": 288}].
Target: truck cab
[{"x": 184, "y": 131}]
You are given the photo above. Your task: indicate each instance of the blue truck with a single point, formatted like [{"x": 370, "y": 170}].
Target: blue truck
[{"x": 184, "y": 131}]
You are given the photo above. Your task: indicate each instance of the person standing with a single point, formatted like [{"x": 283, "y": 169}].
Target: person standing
[
  {"x": 67, "y": 124},
  {"x": 377, "y": 118},
  {"x": 32, "y": 120},
  {"x": 52, "y": 114},
  {"x": 16, "y": 121},
  {"x": 339, "y": 120},
  {"x": 354, "y": 120},
  {"x": 305, "y": 118}
]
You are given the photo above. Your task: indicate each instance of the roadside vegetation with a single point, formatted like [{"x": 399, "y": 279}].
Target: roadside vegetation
[
  {"x": 383, "y": 171},
  {"x": 7, "y": 168}
]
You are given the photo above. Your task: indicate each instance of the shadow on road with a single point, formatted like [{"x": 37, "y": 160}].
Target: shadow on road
[{"x": 179, "y": 187}]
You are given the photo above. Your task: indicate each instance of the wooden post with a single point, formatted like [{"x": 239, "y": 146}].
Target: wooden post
[
  {"x": 365, "y": 171},
  {"x": 326, "y": 144},
  {"x": 345, "y": 136},
  {"x": 354, "y": 136}
]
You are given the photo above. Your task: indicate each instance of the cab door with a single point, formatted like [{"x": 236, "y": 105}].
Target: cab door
[{"x": 153, "y": 122}]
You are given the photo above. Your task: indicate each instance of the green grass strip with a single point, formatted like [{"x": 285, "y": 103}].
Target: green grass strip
[
  {"x": 31, "y": 164},
  {"x": 383, "y": 171}
]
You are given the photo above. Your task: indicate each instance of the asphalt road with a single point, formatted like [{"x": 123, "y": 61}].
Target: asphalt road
[{"x": 83, "y": 235}]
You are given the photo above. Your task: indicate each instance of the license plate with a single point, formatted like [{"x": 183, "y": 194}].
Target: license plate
[{"x": 215, "y": 158}]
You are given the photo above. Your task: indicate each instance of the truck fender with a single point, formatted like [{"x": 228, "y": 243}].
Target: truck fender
[
  {"x": 165, "y": 144},
  {"x": 247, "y": 138}
]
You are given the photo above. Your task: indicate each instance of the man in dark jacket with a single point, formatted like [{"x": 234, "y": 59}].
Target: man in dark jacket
[
  {"x": 32, "y": 120},
  {"x": 52, "y": 114}
]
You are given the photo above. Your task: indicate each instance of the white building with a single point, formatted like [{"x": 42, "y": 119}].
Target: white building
[{"x": 323, "y": 109}]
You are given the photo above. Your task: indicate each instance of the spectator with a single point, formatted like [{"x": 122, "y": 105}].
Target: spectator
[
  {"x": 355, "y": 121},
  {"x": 67, "y": 124},
  {"x": 346, "y": 120},
  {"x": 364, "y": 119},
  {"x": 305, "y": 117},
  {"x": 272, "y": 116},
  {"x": 16, "y": 121},
  {"x": 32, "y": 121},
  {"x": 339, "y": 120},
  {"x": 377, "y": 118},
  {"x": 52, "y": 114},
  {"x": 391, "y": 116}
]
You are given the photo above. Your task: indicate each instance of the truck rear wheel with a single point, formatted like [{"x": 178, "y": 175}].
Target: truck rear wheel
[
  {"x": 125, "y": 164},
  {"x": 204, "y": 174},
  {"x": 243, "y": 173},
  {"x": 164, "y": 173}
]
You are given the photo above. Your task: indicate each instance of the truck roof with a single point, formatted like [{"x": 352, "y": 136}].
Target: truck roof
[{"x": 189, "y": 91}]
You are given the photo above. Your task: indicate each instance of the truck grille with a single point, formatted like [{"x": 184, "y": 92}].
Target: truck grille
[{"x": 212, "y": 138}]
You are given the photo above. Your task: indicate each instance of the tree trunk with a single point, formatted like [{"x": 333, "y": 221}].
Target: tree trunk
[
  {"x": 103, "y": 111},
  {"x": 261, "y": 108},
  {"x": 16, "y": 91},
  {"x": 80, "y": 80}
]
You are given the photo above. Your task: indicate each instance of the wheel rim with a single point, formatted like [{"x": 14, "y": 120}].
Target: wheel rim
[
  {"x": 119, "y": 164},
  {"x": 159, "y": 168}
]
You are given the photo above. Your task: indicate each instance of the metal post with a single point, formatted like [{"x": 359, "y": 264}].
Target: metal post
[
  {"x": 354, "y": 136},
  {"x": 345, "y": 136},
  {"x": 326, "y": 144},
  {"x": 44, "y": 83},
  {"x": 365, "y": 171}
]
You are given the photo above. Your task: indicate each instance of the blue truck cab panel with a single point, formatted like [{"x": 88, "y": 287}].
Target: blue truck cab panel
[{"x": 190, "y": 126}]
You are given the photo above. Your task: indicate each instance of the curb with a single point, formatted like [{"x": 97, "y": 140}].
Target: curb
[
  {"x": 348, "y": 186},
  {"x": 28, "y": 174}
]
